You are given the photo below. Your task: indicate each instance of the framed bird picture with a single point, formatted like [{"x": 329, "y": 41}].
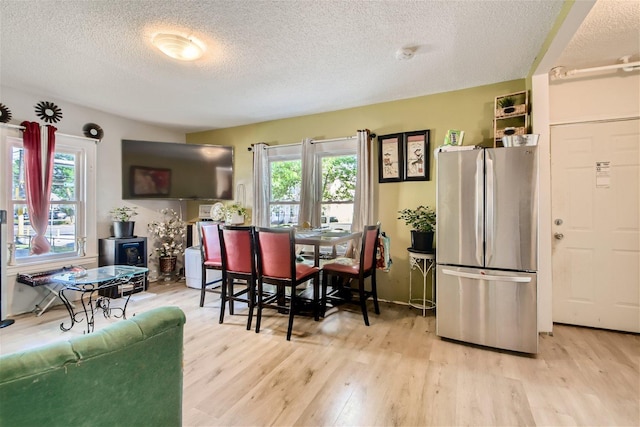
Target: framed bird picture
[
  {"x": 416, "y": 155},
  {"x": 390, "y": 161}
]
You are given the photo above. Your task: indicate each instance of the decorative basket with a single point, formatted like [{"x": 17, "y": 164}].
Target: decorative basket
[
  {"x": 510, "y": 131},
  {"x": 515, "y": 110}
]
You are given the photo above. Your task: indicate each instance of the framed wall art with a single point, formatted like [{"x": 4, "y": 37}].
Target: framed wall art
[
  {"x": 150, "y": 182},
  {"x": 390, "y": 158},
  {"x": 416, "y": 155}
]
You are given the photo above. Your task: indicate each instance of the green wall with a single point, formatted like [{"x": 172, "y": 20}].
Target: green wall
[{"x": 470, "y": 110}]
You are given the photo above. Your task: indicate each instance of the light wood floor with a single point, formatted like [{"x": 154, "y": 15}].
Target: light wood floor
[{"x": 396, "y": 372}]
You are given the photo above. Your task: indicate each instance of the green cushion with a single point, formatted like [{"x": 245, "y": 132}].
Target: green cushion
[{"x": 128, "y": 374}]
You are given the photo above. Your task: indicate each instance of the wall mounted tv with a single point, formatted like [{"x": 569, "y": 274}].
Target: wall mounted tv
[{"x": 165, "y": 170}]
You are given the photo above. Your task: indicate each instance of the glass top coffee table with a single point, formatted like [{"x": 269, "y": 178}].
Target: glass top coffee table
[{"x": 88, "y": 283}]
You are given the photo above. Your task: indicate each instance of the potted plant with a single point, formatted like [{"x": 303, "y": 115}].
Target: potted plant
[
  {"x": 235, "y": 213},
  {"x": 168, "y": 236},
  {"x": 122, "y": 224},
  {"x": 507, "y": 104},
  {"x": 423, "y": 222}
]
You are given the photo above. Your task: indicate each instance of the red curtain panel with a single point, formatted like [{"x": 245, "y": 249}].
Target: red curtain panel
[{"x": 38, "y": 184}]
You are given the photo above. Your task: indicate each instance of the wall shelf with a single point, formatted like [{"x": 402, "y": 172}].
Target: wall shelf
[{"x": 511, "y": 116}]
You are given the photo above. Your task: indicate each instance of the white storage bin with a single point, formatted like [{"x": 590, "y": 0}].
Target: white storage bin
[{"x": 193, "y": 268}]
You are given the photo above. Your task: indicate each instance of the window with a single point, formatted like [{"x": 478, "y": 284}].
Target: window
[
  {"x": 284, "y": 200},
  {"x": 337, "y": 186},
  {"x": 68, "y": 203},
  {"x": 336, "y": 167}
]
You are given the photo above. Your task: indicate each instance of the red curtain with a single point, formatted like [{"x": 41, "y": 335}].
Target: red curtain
[{"x": 38, "y": 184}]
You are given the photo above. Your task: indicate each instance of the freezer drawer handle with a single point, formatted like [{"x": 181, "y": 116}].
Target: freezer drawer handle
[{"x": 519, "y": 279}]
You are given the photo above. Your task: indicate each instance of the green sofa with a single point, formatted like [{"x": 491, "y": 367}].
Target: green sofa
[{"x": 127, "y": 374}]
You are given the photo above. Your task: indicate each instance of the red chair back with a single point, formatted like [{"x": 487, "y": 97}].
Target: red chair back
[
  {"x": 369, "y": 247},
  {"x": 275, "y": 251},
  {"x": 238, "y": 249},
  {"x": 210, "y": 241}
]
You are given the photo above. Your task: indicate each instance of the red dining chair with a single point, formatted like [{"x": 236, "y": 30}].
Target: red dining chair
[
  {"x": 275, "y": 248},
  {"x": 211, "y": 255},
  {"x": 238, "y": 263},
  {"x": 366, "y": 267}
]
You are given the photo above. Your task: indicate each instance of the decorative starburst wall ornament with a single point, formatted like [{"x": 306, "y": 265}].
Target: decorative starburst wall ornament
[
  {"x": 48, "y": 111},
  {"x": 92, "y": 130},
  {"x": 5, "y": 114}
]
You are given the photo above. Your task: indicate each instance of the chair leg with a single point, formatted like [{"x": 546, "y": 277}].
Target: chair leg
[
  {"x": 363, "y": 302},
  {"x": 259, "y": 302},
  {"x": 230, "y": 296},
  {"x": 316, "y": 302},
  {"x": 324, "y": 294},
  {"x": 251, "y": 289},
  {"x": 204, "y": 285},
  {"x": 223, "y": 296},
  {"x": 374, "y": 292},
  {"x": 292, "y": 308}
]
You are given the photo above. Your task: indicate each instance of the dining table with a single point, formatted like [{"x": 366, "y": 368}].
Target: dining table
[{"x": 324, "y": 237}]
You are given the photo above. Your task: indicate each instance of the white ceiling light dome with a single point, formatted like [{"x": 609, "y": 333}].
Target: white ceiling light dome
[
  {"x": 405, "y": 53},
  {"x": 178, "y": 46}
]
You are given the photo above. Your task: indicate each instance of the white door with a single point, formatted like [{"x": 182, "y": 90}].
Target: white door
[{"x": 595, "y": 199}]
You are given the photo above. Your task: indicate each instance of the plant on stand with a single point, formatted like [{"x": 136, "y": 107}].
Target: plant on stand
[
  {"x": 423, "y": 222},
  {"x": 168, "y": 236},
  {"x": 122, "y": 224}
]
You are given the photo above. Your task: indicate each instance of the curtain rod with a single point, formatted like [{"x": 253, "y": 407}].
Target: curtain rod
[
  {"x": 345, "y": 138},
  {"x": 66, "y": 135},
  {"x": 313, "y": 141}
]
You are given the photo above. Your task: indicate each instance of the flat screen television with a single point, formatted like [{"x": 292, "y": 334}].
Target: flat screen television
[{"x": 166, "y": 170}]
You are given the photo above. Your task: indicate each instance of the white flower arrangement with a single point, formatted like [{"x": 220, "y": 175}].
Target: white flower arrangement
[{"x": 168, "y": 234}]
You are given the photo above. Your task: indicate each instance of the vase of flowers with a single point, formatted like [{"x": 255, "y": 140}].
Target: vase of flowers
[
  {"x": 423, "y": 221},
  {"x": 168, "y": 236}
]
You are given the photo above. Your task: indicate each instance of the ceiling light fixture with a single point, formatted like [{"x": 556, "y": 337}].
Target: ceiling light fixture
[
  {"x": 178, "y": 46},
  {"x": 405, "y": 53}
]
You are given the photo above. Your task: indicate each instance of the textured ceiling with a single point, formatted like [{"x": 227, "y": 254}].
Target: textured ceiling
[
  {"x": 609, "y": 32},
  {"x": 265, "y": 59}
]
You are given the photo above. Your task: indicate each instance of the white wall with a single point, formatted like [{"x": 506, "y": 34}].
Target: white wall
[
  {"x": 607, "y": 96},
  {"x": 20, "y": 298},
  {"x": 540, "y": 103}
]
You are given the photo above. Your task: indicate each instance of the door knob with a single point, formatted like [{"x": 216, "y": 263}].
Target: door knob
[{"x": 558, "y": 236}]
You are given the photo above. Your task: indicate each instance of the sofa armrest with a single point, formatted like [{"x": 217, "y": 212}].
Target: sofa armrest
[{"x": 129, "y": 373}]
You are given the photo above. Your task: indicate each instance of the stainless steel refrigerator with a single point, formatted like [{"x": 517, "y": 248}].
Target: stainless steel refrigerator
[{"x": 486, "y": 241}]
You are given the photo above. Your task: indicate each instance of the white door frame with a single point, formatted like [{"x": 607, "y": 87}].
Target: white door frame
[{"x": 541, "y": 125}]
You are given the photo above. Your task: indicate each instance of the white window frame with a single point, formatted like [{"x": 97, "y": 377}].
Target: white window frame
[
  {"x": 332, "y": 149},
  {"x": 282, "y": 154},
  {"x": 85, "y": 150},
  {"x": 328, "y": 148}
]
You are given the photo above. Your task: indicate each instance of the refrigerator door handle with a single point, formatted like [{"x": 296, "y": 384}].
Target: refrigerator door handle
[
  {"x": 490, "y": 210},
  {"x": 479, "y": 209},
  {"x": 518, "y": 279}
]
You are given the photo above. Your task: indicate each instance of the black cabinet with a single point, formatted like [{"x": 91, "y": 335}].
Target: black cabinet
[{"x": 124, "y": 251}]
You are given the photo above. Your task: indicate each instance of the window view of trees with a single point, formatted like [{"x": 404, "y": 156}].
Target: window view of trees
[
  {"x": 338, "y": 190},
  {"x": 337, "y": 186},
  {"x": 61, "y": 232},
  {"x": 286, "y": 179}
]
